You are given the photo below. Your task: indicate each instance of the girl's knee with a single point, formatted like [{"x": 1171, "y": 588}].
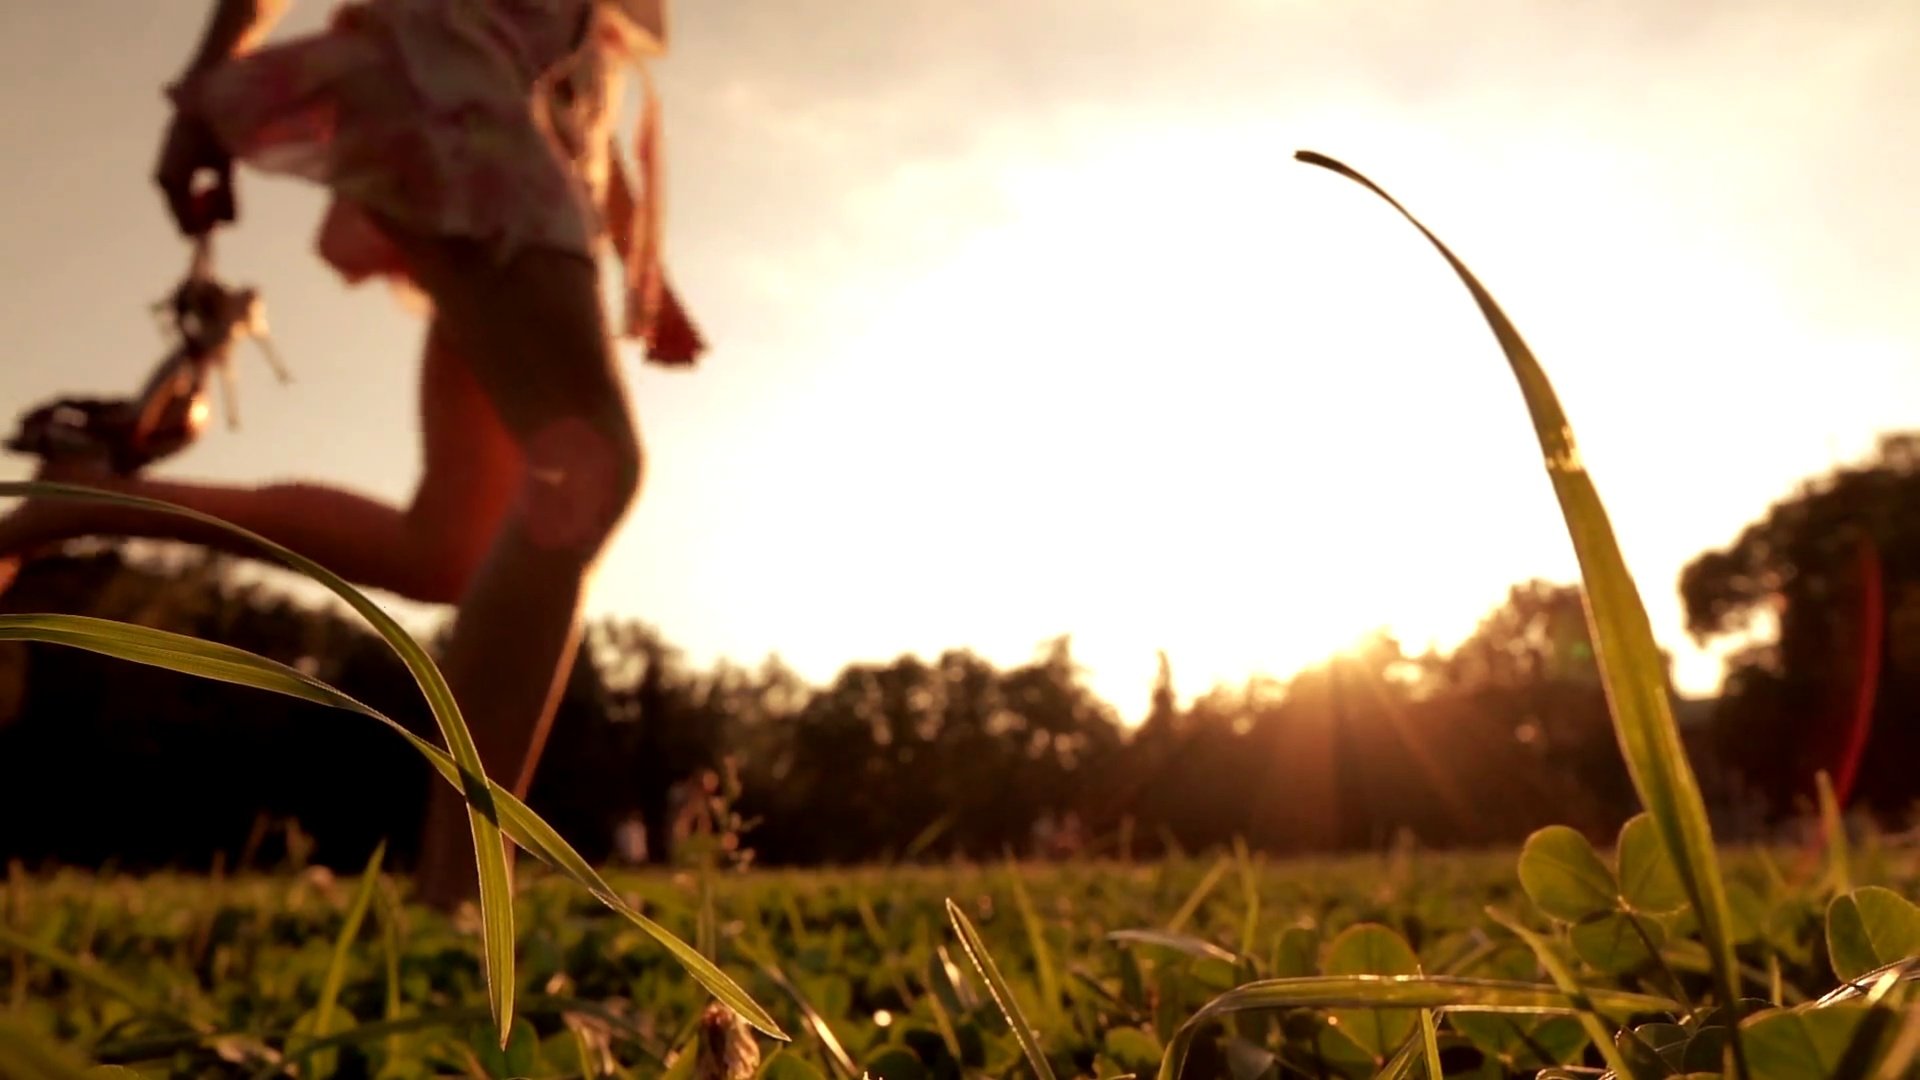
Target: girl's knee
[{"x": 580, "y": 481}]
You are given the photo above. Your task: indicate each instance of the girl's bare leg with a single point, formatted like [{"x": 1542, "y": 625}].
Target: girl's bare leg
[
  {"x": 535, "y": 335},
  {"x": 426, "y": 551}
]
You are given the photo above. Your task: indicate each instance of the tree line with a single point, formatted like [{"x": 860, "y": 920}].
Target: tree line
[{"x": 653, "y": 757}]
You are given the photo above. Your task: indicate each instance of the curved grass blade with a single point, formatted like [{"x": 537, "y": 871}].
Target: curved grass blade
[
  {"x": 842, "y": 1060},
  {"x": 1002, "y": 993},
  {"x": 212, "y": 660},
  {"x": 1629, "y": 660},
  {"x": 1440, "y": 993},
  {"x": 490, "y": 850},
  {"x": 342, "y": 945}
]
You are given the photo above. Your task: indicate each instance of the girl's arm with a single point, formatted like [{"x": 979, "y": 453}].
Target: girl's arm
[
  {"x": 235, "y": 27},
  {"x": 191, "y": 148}
]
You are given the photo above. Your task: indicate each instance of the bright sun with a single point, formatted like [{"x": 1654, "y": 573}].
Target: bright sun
[
  {"x": 1154, "y": 432},
  {"x": 1164, "y": 387}
]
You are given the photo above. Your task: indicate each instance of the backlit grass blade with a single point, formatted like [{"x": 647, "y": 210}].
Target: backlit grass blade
[
  {"x": 1628, "y": 658},
  {"x": 836, "y": 1051},
  {"x": 490, "y": 851},
  {"x": 1002, "y": 993},
  {"x": 342, "y": 945},
  {"x": 1440, "y": 993},
  {"x": 212, "y": 660}
]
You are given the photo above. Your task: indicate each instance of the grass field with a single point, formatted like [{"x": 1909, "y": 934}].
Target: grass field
[{"x": 187, "y": 976}]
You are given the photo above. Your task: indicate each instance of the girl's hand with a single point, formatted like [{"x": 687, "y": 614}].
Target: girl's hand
[{"x": 190, "y": 151}]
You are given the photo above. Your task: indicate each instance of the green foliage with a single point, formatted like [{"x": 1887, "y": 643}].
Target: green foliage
[
  {"x": 1564, "y": 876},
  {"x": 1870, "y": 928},
  {"x": 1371, "y": 949},
  {"x": 1003, "y": 996},
  {"x": 1617, "y": 943},
  {"x": 1839, "y": 1040},
  {"x": 1831, "y": 560},
  {"x": 1648, "y": 881},
  {"x": 1348, "y": 998}
]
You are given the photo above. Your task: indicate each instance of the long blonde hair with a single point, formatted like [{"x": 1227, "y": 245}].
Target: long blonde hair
[{"x": 582, "y": 98}]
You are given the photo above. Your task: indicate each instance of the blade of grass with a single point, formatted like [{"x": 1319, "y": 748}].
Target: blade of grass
[
  {"x": 1400, "y": 1065},
  {"x": 390, "y": 946},
  {"x": 1199, "y": 895},
  {"x": 1589, "y": 1017},
  {"x": 1834, "y": 830},
  {"x": 1629, "y": 660},
  {"x": 1249, "y": 888},
  {"x": 796, "y": 922},
  {"x": 1441, "y": 993},
  {"x": 490, "y": 850},
  {"x": 1036, "y": 940},
  {"x": 1430, "y": 1040},
  {"x": 189, "y": 655},
  {"x": 343, "y": 945},
  {"x": 836, "y": 1051},
  {"x": 927, "y": 836},
  {"x": 1002, "y": 993},
  {"x": 882, "y": 946}
]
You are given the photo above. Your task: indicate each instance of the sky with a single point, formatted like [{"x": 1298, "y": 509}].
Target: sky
[{"x": 1026, "y": 323}]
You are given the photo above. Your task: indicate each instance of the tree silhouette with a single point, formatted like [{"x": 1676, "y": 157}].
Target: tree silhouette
[{"x": 1823, "y": 596}]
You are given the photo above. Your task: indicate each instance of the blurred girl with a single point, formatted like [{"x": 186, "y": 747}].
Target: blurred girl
[{"x": 470, "y": 155}]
